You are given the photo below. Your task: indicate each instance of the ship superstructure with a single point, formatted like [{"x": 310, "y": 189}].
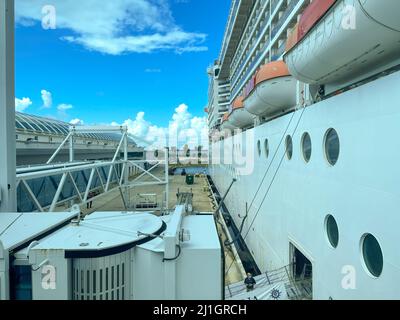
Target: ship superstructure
[{"x": 306, "y": 141}]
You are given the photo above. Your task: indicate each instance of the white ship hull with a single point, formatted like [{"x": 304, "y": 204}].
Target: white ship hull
[{"x": 361, "y": 191}]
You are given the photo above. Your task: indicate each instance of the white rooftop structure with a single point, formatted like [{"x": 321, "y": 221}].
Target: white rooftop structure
[
  {"x": 103, "y": 233},
  {"x": 18, "y": 228}
]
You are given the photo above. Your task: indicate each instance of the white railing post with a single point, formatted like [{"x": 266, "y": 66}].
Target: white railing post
[
  {"x": 59, "y": 148},
  {"x": 166, "y": 178},
  {"x": 125, "y": 168},
  {"x": 89, "y": 185},
  {"x": 126, "y": 171},
  {"x": 58, "y": 193},
  {"x": 71, "y": 146},
  {"x": 32, "y": 196}
]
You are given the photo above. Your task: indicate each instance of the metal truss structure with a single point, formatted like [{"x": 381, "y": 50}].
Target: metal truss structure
[{"x": 74, "y": 182}]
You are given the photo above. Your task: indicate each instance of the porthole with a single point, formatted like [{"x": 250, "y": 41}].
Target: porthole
[
  {"x": 332, "y": 231},
  {"x": 332, "y": 146},
  {"x": 266, "y": 148},
  {"x": 306, "y": 147},
  {"x": 372, "y": 255},
  {"x": 259, "y": 147},
  {"x": 289, "y": 147}
]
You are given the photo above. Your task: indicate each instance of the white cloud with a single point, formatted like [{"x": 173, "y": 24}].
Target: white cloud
[
  {"x": 118, "y": 26},
  {"x": 64, "y": 107},
  {"x": 62, "y": 111},
  {"x": 22, "y": 104},
  {"x": 183, "y": 129},
  {"x": 47, "y": 99},
  {"x": 77, "y": 122},
  {"x": 152, "y": 70}
]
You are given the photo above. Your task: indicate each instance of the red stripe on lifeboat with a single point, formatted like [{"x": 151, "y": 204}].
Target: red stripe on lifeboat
[
  {"x": 249, "y": 87},
  {"x": 237, "y": 104},
  {"x": 310, "y": 17}
]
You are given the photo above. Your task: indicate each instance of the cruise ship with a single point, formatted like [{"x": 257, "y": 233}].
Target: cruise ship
[
  {"x": 303, "y": 114},
  {"x": 299, "y": 200}
]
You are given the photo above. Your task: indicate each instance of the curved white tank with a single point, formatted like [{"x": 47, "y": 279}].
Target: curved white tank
[
  {"x": 241, "y": 118},
  {"x": 272, "y": 96},
  {"x": 352, "y": 39},
  {"x": 226, "y": 125},
  {"x": 384, "y": 12}
]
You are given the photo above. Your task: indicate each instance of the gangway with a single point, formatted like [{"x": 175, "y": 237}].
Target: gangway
[{"x": 277, "y": 284}]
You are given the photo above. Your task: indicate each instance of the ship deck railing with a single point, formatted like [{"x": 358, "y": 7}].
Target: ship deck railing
[{"x": 299, "y": 288}]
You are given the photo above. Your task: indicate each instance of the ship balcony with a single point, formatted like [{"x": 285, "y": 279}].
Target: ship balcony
[
  {"x": 234, "y": 34},
  {"x": 278, "y": 35}
]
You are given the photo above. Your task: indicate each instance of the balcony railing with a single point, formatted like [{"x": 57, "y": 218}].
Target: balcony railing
[
  {"x": 275, "y": 31},
  {"x": 228, "y": 32},
  {"x": 262, "y": 27},
  {"x": 279, "y": 52}
]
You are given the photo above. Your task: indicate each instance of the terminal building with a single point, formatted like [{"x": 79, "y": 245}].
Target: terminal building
[{"x": 38, "y": 137}]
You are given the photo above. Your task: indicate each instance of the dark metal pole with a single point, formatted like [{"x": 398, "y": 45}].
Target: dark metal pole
[{"x": 8, "y": 195}]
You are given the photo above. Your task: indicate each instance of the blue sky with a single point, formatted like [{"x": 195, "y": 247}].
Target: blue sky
[{"x": 101, "y": 70}]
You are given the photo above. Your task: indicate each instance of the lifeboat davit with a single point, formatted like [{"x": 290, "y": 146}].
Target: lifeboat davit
[
  {"x": 337, "y": 41},
  {"x": 274, "y": 90},
  {"x": 239, "y": 116},
  {"x": 226, "y": 125}
]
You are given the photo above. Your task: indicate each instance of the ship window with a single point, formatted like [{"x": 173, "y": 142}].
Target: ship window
[
  {"x": 266, "y": 148},
  {"x": 289, "y": 147},
  {"x": 332, "y": 231},
  {"x": 307, "y": 147},
  {"x": 372, "y": 255},
  {"x": 332, "y": 146},
  {"x": 259, "y": 147}
]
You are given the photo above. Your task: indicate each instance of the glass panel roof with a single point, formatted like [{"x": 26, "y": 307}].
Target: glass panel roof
[{"x": 35, "y": 124}]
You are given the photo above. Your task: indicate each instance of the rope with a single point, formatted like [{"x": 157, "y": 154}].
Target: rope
[
  {"x": 262, "y": 180},
  {"x": 273, "y": 178}
]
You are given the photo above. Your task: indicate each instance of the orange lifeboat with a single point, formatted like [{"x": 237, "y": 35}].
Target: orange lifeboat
[
  {"x": 225, "y": 124},
  {"x": 239, "y": 116},
  {"x": 274, "y": 90},
  {"x": 337, "y": 42}
]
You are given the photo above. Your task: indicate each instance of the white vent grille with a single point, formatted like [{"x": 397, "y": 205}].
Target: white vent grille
[{"x": 105, "y": 278}]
